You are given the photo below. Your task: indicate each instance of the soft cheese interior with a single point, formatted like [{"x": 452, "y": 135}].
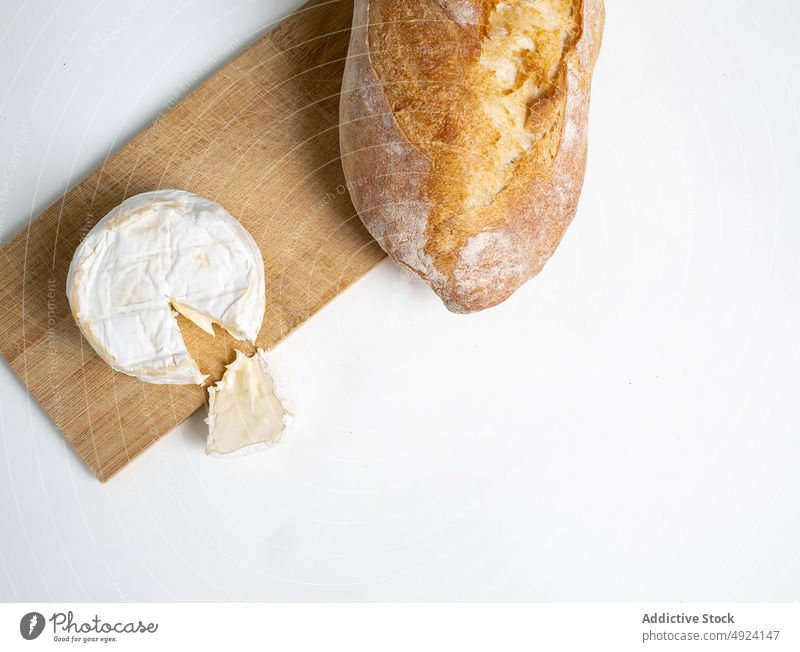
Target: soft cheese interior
[{"x": 244, "y": 410}]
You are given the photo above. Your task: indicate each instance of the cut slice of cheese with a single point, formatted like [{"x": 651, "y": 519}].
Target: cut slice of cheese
[
  {"x": 155, "y": 252},
  {"x": 245, "y": 411},
  {"x": 204, "y": 322}
]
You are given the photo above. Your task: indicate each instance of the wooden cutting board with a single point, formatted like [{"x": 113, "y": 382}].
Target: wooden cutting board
[{"x": 260, "y": 137}]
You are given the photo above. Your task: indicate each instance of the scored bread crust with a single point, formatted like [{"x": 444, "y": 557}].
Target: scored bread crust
[{"x": 410, "y": 142}]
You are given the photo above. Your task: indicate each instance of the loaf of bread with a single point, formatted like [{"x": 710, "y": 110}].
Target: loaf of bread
[{"x": 463, "y": 135}]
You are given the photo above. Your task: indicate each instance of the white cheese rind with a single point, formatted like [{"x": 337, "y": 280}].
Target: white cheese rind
[
  {"x": 246, "y": 412},
  {"x": 155, "y": 250}
]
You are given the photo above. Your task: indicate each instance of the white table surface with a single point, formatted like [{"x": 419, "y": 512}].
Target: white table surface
[{"x": 626, "y": 427}]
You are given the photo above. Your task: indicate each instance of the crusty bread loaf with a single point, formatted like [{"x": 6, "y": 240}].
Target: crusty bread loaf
[{"x": 463, "y": 135}]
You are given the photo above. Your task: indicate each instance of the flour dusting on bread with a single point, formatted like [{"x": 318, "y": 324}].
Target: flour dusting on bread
[
  {"x": 464, "y": 12},
  {"x": 463, "y": 135}
]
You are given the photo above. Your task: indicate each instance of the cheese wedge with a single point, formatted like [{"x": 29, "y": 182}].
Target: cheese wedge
[
  {"x": 154, "y": 254},
  {"x": 245, "y": 411}
]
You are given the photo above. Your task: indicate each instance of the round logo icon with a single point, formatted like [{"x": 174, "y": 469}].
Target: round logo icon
[{"x": 31, "y": 625}]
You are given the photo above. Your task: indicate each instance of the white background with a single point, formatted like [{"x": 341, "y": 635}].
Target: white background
[{"x": 626, "y": 427}]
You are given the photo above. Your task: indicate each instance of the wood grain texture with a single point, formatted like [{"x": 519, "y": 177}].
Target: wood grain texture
[{"x": 260, "y": 137}]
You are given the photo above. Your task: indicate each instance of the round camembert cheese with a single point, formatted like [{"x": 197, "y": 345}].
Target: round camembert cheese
[{"x": 154, "y": 254}]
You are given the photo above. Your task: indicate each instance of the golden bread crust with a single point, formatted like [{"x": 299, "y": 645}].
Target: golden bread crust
[{"x": 463, "y": 135}]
